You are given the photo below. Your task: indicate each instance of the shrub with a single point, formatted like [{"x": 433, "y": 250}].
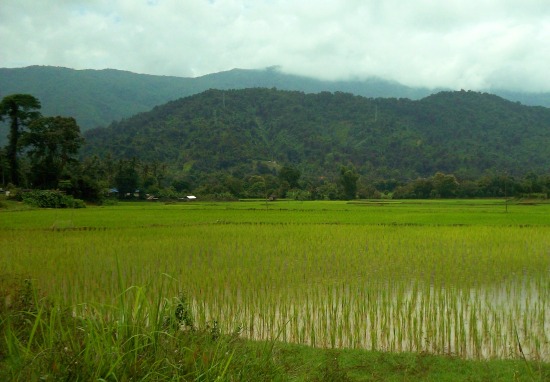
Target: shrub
[
  {"x": 77, "y": 203},
  {"x": 51, "y": 199}
]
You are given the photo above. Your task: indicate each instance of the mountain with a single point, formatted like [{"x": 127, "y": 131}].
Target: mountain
[
  {"x": 465, "y": 133},
  {"x": 98, "y": 97},
  {"x": 93, "y": 97}
]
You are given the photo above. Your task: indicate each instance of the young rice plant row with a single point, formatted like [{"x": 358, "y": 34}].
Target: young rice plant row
[{"x": 308, "y": 276}]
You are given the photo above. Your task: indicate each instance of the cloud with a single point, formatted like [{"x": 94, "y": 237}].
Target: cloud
[{"x": 456, "y": 44}]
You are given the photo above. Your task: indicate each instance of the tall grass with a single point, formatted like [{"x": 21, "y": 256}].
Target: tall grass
[{"x": 142, "y": 337}]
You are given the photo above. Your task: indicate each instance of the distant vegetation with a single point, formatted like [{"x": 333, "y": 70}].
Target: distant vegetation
[
  {"x": 236, "y": 142},
  {"x": 268, "y": 143},
  {"x": 98, "y": 97}
]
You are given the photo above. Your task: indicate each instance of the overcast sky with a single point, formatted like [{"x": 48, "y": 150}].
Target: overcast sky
[{"x": 470, "y": 44}]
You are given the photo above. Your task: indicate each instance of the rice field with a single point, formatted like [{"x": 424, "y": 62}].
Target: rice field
[{"x": 463, "y": 278}]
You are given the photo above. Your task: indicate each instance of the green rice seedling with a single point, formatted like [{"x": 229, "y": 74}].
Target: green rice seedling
[{"x": 442, "y": 278}]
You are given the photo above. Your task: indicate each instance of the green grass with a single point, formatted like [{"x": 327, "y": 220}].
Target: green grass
[
  {"x": 308, "y": 364},
  {"x": 407, "y": 281},
  {"x": 432, "y": 212}
]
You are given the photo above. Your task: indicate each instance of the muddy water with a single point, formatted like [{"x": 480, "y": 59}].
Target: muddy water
[{"x": 483, "y": 323}]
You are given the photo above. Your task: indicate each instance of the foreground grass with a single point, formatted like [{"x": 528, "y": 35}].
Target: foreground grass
[{"x": 45, "y": 342}]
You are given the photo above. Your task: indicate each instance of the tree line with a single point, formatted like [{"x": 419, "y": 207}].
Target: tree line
[{"x": 43, "y": 153}]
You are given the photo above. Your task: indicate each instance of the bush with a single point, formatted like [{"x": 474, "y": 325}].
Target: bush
[
  {"x": 51, "y": 199},
  {"x": 77, "y": 203}
]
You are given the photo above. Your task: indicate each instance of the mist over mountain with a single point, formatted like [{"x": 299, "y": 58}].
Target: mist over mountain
[
  {"x": 260, "y": 119},
  {"x": 98, "y": 97}
]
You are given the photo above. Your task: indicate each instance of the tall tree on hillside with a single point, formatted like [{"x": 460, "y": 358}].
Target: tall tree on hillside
[
  {"x": 21, "y": 109},
  {"x": 53, "y": 142}
]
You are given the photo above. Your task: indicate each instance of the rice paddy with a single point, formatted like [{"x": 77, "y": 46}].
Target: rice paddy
[{"x": 462, "y": 278}]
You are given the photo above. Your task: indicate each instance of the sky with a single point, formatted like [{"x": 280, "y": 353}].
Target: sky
[{"x": 457, "y": 44}]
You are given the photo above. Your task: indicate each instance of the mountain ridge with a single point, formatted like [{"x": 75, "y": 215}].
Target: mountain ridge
[
  {"x": 466, "y": 133},
  {"x": 98, "y": 97}
]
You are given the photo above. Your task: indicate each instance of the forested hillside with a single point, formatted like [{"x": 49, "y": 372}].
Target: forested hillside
[
  {"x": 238, "y": 131},
  {"x": 98, "y": 97},
  {"x": 93, "y": 97}
]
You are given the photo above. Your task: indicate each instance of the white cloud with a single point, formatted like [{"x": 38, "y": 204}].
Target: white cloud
[{"x": 454, "y": 43}]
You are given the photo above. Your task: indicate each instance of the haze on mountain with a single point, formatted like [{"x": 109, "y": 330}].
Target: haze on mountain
[
  {"x": 456, "y": 44},
  {"x": 98, "y": 97}
]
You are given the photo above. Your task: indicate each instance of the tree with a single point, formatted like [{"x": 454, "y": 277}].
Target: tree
[
  {"x": 348, "y": 180},
  {"x": 444, "y": 186},
  {"x": 290, "y": 174},
  {"x": 21, "y": 109},
  {"x": 53, "y": 142},
  {"x": 87, "y": 179}
]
